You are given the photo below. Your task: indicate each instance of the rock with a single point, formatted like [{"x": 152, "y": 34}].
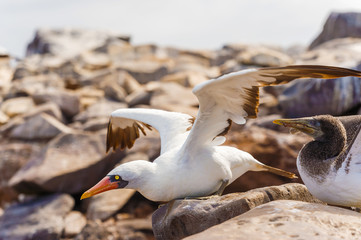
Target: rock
[
  {"x": 272, "y": 148},
  {"x": 186, "y": 79},
  {"x": 105, "y": 205},
  {"x": 74, "y": 223},
  {"x": 113, "y": 91},
  {"x": 69, "y": 163},
  {"x": 145, "y": 70},
  {"x": 110, "y": 230},
  {"x": 39, "y": 219},
  {"x": 69, "y": 42},
  {"x": 139, "y": 97},
  {"x": 39, "y": 127},
  {"x": 17, "y": 106},
  {"x": 170, "y": 94},
  {"x": 94, "y": 60},
  {"x": 187, "y": 217},
  {"x": 286, "y": 219},
  {"x": 342, "y": 52},
  {"x": 99, "y": 110},
  {"x": 3, "y": 118},
  {"x": 6, "y": 72},
  {"x": 29, "y": 85},
  {"x": 96, "y": 124},
  {"x": 12, "y": 157},
  {"x": 67, "y": 101},
  {"x": 308, "y": 97},
  {"x": 339, "y": 25}
]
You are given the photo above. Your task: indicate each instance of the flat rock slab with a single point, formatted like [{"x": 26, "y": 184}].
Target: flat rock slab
[
  {"x": 40, "y": 219},
  {"x": 70, "y": 163},
  {"x": 286, "y": 219},
  {"x": 187, "y": 217}
]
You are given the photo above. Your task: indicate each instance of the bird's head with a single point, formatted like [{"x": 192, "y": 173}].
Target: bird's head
[
  {"x": 318, "y": 127},
  {"x": 127, "y": 175}
]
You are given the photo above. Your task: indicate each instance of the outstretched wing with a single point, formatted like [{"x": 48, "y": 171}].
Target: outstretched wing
[
  {"x": 125, "y": 126},
  {"x": 235, "y": 96}
]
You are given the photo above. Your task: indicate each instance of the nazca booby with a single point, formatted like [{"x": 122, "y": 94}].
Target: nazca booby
[
  {"x": 330, "y": 165},
  {"x": 192, "y": 163}
]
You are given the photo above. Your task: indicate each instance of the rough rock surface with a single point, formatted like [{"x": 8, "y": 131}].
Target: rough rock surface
[
  {"x": 39, "y": 219},
  {"x": 186, "y": 217},
  {"x": 339, "y": 25},
  {"x": 76, "y": 157},
  {"x": 285, "y": 219},
  {"x": 74, "y": 223}
]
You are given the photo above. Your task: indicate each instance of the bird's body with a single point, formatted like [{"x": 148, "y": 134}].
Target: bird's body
[
  {"x": 192, "y": 163},
  {"x": 330, "y": 166}
]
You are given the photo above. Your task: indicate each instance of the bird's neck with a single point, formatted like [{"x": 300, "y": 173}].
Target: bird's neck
[{"x": 317, "y": 156}]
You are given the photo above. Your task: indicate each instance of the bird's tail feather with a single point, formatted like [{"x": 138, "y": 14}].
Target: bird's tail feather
[{"x": 277, "y": 171}]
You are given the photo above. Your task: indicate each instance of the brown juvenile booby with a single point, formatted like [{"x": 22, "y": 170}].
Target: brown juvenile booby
[
  {"x": 192, "y": 163},
  {"x": 330, "y": 165}
]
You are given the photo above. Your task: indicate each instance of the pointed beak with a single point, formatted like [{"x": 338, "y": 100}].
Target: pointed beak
[
  {"x": 306, "y": 125},
  {"x": 103, "y": 185}
]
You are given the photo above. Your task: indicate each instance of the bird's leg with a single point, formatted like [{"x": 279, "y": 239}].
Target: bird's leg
[
  {"x": 222, "y": 187},
  {"x": 219, "y": 191}
]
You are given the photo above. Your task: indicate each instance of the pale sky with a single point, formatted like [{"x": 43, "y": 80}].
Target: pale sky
[{"x": 201, "y": 24}]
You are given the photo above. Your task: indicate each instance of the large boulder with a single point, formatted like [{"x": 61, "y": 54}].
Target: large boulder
[
  {"x": 69, "y": 163},
  {"x": 339, "y": 25},
  {"x": 68, "y": 42},
  {"x": 39, "y": 219},
  {"x": 181, "y": 218},
  {"x": 286, "y": 219}
]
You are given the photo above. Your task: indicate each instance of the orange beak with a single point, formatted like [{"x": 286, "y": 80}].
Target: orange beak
[{"x": 103, "y": 185}]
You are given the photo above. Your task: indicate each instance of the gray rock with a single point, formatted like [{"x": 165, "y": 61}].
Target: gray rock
[
  {"x": 339, "y": 25},
  {"x": 39, "y": 127},
  {"x": 69, "y": 42},
  {"x": 308, "y": 97},
  {"x": 286, "y": 219},
  {"x": 186, "y": 217},
  {"x": 69, "y": 163},
  {"x": 39, "y": 219}
]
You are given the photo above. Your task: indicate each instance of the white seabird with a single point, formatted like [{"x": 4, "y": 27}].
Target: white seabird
[
  {"x": 192, "y": 163},
  {"x": 330, "y": 166}
]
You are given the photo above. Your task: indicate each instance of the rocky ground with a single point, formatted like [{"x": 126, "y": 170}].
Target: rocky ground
[{"x": 54, "y": 111}]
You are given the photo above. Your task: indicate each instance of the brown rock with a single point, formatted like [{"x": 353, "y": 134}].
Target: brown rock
[
  {"x": 74, "y": 223},
  {"x": 171, "y": 93},
  {"x": 96, "y": 124},
  {"x": 99, "y": 110},
  {"x": 273, "y": 148},
  {"x": 29, "y": 85},
  {"x": 109, "y": 230},
  {"x": 70, "y": 163},
  {"x": 3, "y": 118},
  {"x": 286, "y": 219},
  {"x": 145, "y": 70},
  {"x": 94, "y": 60},
  {"x": 113, "y": 91},
  {"x": 186, "y": 217},
  {"x": 39, "y": 219},
  {"x": 186, "y": 78},
  {"x": 105, "y": 205},
  {"x": 67, "y": 101},
  {"x": 339, "y": 25},
  {"x": 39, "y": 127},
  {"x": 12, "y": 157},
  {"x": 139, "y": 97},
  {"x": 17, "y": 106}
]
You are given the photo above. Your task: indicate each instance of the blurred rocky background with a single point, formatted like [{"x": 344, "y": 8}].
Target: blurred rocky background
[{"x": 54, "y": 108}]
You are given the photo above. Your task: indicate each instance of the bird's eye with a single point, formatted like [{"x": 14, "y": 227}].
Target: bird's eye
[{"x": 116, "y": 177}]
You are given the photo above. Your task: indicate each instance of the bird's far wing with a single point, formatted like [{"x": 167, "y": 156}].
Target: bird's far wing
[
  {"x": 235, "y": 96},
  {"x": 125, "y": 124}
]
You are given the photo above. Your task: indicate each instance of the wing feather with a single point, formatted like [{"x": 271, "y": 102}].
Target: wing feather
[
  {"x": 235, "y": 96},
  {"x": 125, "y": 126}
]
